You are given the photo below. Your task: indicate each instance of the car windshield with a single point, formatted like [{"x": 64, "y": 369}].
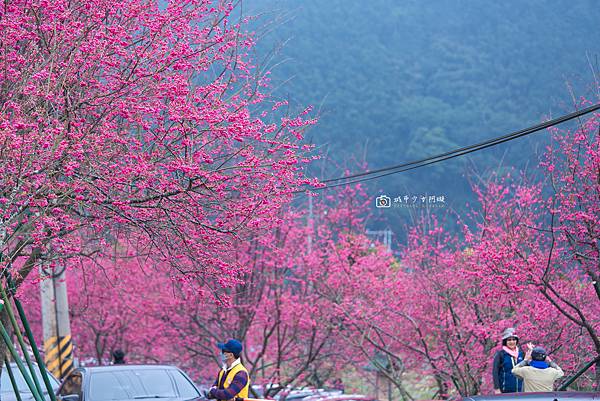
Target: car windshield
[
  {"x": 131, "y": 384},
  {"x": 6, "y": 386}
]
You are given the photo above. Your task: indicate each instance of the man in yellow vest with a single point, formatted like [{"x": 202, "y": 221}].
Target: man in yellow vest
[{"x": 233, "y": 380}]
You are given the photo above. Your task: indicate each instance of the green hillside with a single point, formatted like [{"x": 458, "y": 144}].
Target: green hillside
[{"x": 398, "y": 80}]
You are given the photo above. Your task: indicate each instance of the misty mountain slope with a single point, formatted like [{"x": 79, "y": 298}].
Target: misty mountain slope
[{"x": 399, "y": 80}]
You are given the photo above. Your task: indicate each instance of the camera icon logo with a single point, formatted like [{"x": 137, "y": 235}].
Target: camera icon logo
[{"x": 383, "y": 201}]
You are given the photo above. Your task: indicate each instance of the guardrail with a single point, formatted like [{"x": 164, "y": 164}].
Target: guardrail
[{"x": 581, "y": 371}]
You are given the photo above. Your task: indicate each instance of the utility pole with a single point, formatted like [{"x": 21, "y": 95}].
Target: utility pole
[
  {"x": 384, "y": 235},
  {"x": 58, "y": 347},
  {"x": 310, "y": 224}
]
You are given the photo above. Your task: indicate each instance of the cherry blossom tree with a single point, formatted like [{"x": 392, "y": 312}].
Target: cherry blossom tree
[
  {"x": 417, "y": 316},
  {"x": 141, "y": 122},
  {"x": 292, "y": 333},
  {"x": 281, "y": 307},
  {"x": 540, "y": 240},
  {"x": 527, "y": 258}
]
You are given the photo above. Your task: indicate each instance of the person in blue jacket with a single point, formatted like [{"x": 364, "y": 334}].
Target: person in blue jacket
[{"x": 504, "y": 361}]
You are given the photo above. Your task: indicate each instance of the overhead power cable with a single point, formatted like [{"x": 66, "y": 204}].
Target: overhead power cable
[{"x": 382, "y": 172}]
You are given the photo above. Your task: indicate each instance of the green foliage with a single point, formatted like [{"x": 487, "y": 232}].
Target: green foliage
[{"x": 380, "y": 71}]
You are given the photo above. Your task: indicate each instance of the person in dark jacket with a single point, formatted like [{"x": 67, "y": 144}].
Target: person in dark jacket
[
  {"x": 504, "y": 361},
  {"x": 118, "y": 357}
]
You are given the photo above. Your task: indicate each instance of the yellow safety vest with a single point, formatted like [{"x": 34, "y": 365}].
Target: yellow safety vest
[{"x": 229, "y": 378}]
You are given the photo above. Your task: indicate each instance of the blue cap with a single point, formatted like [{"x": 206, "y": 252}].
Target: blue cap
[
  {"x": 233, "y": 346},
  {"x": 538, "y": 354}
]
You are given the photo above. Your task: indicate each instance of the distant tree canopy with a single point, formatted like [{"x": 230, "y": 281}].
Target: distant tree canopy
[{"x": 468, "y": 70}]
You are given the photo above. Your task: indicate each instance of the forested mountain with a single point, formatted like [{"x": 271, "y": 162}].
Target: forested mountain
[{"x": 396, "y": 80}]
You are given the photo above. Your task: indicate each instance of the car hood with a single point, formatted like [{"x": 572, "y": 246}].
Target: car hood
[{"x": 10, "y": 396}]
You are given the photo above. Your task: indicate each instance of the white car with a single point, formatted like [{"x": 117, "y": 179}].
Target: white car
[{"x": 7, "y": 392}]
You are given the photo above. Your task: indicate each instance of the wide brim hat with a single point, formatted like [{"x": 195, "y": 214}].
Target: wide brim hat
[{"x": 509, "y": 333}]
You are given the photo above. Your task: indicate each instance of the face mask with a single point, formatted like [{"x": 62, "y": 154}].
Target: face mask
[{"x": 223, "y": 359}]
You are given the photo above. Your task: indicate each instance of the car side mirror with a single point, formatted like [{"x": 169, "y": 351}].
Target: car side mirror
[{"x": 70, "y": 397}]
